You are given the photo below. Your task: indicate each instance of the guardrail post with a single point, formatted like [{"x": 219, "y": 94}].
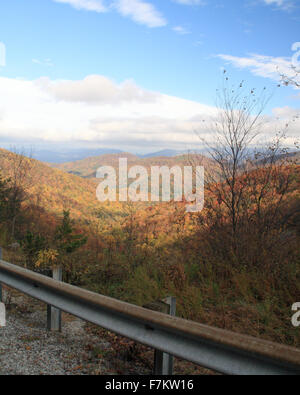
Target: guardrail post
[
  {"x": 163, "y": 362},
  {"x": 1, "y": 296},
  {"x": 2, "y": 305},
  {"x": 54, "y": 314}
]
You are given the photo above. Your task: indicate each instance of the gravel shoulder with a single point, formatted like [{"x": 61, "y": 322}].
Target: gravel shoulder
[{"x": 26, "y": 348}]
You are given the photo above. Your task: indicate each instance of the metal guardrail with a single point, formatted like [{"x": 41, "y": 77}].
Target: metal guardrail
[{"x": 223, "y": 351}]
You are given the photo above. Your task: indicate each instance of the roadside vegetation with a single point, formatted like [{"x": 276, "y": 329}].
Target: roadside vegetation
[{"x": 235, "y": 265}]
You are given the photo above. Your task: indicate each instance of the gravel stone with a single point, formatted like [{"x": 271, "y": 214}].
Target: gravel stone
[{"x": 26, "y": 348}]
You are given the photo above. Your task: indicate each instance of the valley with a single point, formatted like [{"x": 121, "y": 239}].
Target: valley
[{"x": 141, "y": 252}]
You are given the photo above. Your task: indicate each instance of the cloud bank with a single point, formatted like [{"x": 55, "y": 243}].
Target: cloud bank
[{"x": 99, "y": 112}]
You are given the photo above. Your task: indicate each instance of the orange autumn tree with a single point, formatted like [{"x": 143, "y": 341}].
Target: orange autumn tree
[{"x": 246, "y": 188}]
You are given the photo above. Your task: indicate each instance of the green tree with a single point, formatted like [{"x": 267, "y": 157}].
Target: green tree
[
  {"x": 31, "y": 246},
  {"x": 67, "y": 241}
]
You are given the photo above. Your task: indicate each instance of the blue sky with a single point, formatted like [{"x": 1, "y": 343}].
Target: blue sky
[{"x": 174, "y": 48}]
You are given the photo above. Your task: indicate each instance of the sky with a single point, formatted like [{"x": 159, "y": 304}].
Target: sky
[{"x": 138, "y": 75}]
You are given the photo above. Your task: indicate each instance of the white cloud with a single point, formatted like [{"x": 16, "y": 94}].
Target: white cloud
[
  {"x": 264, "y": 66},
  {"x": 45, "y": 62},
  {"x": 181, "y": 30},
  {"x": 89, "y": 5},
  {"x": 190, "y": 2},
  {"x": 122, "y": 116},
  {"x": 286, "y": 113},
  {"x": 282, "y": 4},
  {"x": 139, "y": 11},
  {"x": 75, "y": 111},
  {"x": 96, "y": 89}
]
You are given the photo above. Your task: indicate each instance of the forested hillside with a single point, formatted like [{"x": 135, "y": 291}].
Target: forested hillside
[
  {"x": 237, "y": 270},
  {"x": 87, "y": 167},
  {"x": 49, "y": 188}
]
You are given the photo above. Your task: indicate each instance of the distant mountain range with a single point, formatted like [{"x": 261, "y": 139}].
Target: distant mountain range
[
  {"x": 67, "y": 156},
  {"x": 60, "y": 156},
  {"x": 71, "y": 155},
  {"x": 169, "y": 153}
]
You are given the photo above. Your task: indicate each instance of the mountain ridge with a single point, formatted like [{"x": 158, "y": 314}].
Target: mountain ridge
[
  {"x": 60, "y": 155},
  {"x": 87, "y": 168}
]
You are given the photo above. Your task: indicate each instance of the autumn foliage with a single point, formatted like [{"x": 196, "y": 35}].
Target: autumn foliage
[{"x": 241, "y": 275}]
